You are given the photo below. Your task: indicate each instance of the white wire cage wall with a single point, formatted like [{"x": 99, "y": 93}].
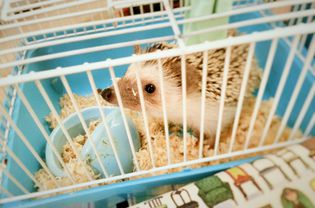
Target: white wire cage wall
[{"x": 44, "y": 42}]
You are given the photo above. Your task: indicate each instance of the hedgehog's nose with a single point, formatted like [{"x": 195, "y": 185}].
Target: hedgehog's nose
[{"x": 106, "y": 94}]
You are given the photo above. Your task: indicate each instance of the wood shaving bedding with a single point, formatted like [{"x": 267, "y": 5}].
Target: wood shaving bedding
[
  {"x": 158, "y": 141},
  {"x": 176, "y": 142}
]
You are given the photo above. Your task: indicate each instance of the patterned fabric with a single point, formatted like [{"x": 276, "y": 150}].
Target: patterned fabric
[{"x": 285, "y": 179}]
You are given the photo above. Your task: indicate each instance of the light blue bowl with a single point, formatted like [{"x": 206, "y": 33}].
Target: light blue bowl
[
  {"x": 100, "y": 138},
  {"x": 120, "y": 139}
]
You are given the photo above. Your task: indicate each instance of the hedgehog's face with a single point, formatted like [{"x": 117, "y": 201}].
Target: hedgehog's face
[{"x": 149, "y": 76}]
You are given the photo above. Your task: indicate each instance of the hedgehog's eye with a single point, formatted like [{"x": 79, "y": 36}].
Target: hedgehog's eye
[{"x": 149, "y": 88}]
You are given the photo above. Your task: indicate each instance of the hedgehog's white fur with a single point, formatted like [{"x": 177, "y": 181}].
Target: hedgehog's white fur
[
  {"x": 173, "y": 94},
  {"x": 149, "y": 73}
]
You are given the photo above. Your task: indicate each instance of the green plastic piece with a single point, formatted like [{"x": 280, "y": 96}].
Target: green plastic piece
[
  {"x": 209, "y": 183},
  {"x": 202, "y": 194},
  {"x": 203, "y": 8},
  {"x": 218, "y": 195}
]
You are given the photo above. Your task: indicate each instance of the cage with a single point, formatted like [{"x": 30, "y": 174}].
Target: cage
[{"x": 53, "y": 48}]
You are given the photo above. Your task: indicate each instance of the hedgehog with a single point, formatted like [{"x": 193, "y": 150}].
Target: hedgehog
[{"x": 149, "y": 75}]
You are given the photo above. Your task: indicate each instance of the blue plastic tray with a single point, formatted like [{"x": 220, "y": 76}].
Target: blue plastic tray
[{"x": 80, "y": 85}]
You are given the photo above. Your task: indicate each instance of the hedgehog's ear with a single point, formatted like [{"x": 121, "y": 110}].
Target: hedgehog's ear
[{"x": 137, "y": 49}]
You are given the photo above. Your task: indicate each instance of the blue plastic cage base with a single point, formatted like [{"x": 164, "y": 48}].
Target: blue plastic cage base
[{"x": 145, "y": 187}]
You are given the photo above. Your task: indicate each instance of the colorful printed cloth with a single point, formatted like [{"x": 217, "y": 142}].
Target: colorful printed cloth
[{"x": 285, "y": 179}]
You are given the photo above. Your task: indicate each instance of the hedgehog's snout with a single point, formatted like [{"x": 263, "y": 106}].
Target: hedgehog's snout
[{"x": 107, "y": 94}]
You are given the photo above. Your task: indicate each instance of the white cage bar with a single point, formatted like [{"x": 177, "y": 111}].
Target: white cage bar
[{"x": 115, "y": 18}]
